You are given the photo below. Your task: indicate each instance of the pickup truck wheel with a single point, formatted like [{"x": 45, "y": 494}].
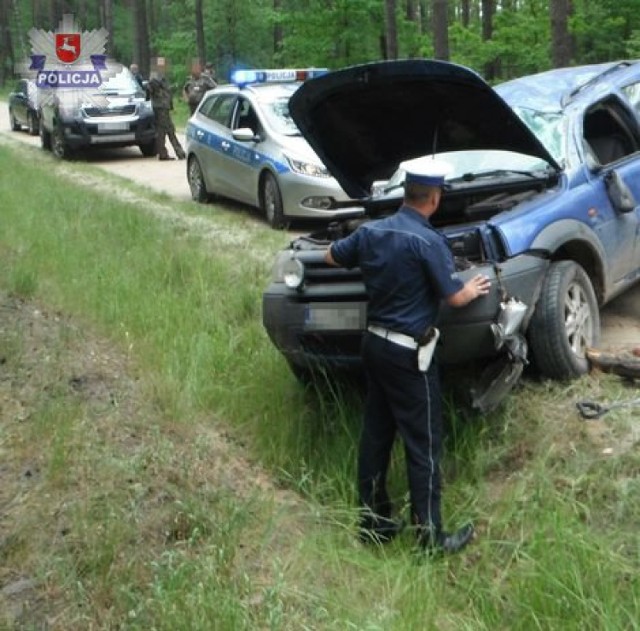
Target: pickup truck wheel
[
  {"x": 565, "y": 323},
  {"x": 32, "y": 124},
  {"x": 149, "y": 149},
  {"x": 45, "y": 138},
  {"x": 196, "y": 181},
  {"x": 272, "y": 202},
  {"x": 59, "y": 146}
]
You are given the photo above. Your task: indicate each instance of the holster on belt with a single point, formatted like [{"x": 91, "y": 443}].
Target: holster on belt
[{"x": 426, "y": 348}]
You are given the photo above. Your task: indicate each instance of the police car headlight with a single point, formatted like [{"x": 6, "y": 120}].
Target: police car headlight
[
  {"x": 307, "y": 168},
  {"x": 288, "y": 270}
]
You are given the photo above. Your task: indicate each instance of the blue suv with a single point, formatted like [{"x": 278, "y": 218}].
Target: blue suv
[{"x": 543, "y": 199}]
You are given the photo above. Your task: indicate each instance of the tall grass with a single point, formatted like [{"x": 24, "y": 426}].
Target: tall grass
[{"x": 142, "y": 540}]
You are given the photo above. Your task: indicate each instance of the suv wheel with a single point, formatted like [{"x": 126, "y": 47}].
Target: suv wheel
[
  {"x": 15, "y": 125},
  {"x": 196, "y": 181},
  {"x": 32, "y": 124},
  {"x": 272, "y": 201},
  {"x": 59, "y": 146},
  {"x": 565, "y": 323},
  {"x": 149, "y": 149},
  {"x": 45, "y": 138}
]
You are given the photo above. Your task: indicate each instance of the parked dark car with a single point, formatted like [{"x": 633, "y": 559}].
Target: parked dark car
[
  {"x": 543, "y": 200},
  {"x": 116, "y": 114},
  {"x": 23, "y": 107}
]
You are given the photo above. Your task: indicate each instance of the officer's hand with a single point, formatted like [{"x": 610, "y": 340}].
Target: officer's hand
[{"x": 479, "y": 285}]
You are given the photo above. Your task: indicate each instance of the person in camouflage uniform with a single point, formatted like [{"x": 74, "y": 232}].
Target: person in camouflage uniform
[
  {"x": 162, "y": 102},
  {"x": 196, "y": 86}
]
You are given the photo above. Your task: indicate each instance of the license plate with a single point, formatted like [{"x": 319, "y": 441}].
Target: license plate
[
  {"x": 113, "y": 126},
  {"x": 335, "y": 316}
]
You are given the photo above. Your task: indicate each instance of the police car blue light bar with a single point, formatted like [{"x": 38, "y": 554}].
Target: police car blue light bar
[{"x": 244, "y": 77}]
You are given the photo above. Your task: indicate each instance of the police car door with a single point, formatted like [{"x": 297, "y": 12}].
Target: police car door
[
  {"x": 208, "y": 129},
  {"x": 243, "y": 161}
]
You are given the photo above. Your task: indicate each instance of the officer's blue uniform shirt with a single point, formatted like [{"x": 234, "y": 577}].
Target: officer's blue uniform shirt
[{"x": 407, "y": 268}]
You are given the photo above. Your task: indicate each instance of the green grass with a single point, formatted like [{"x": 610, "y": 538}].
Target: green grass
[{"x": 123, "y": 524}]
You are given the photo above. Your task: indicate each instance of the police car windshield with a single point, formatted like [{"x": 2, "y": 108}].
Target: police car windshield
[{"x": 276, "y": 111}]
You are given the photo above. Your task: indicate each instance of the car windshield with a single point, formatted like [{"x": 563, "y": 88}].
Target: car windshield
[
  {"x": 276, "y": 111},
  {"x": 121, "y": 84},
  {"x": 548, "y": 128},
  {"x": 473, "y": 164}
]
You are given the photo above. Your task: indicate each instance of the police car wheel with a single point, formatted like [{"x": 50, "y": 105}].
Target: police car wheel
[
  {"x": 33, "y": 126},
  {"x": 566, "y": 322},
  {"x": 196, "y": 181},
  {"x": 149, "y": 149},
  {"x": 272, "y": 201}
]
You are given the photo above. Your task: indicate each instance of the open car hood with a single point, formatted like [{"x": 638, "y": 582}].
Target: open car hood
[{"x": 364, "y": 120}]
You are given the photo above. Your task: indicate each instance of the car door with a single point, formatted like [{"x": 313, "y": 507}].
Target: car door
[
  {"x": 612, "y": 138},
  {"x": 244, "y": 161},
  {"x": 210, "y": 130},
  {"x": 21, "y": 102}
]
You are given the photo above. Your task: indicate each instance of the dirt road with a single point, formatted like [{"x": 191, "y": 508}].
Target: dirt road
[{"x": 620, "y": 319}]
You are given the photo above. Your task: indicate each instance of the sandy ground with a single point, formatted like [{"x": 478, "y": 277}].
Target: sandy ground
[{"x": 620, "y": 319}]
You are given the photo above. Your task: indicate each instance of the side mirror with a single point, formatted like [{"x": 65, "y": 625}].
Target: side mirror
[
  {"x": 244, "y": 134},
  {"x": 619, "y": 193}
]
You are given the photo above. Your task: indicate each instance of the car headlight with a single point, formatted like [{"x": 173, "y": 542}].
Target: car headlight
[
  {"x": 307, "y": 168},
  {"x": 145, "y": 108},
  {"x": 289, "y": 270}
]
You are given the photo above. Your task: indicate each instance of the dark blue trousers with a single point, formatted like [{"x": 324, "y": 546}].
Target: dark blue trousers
[{"x": 400, "y": 399}]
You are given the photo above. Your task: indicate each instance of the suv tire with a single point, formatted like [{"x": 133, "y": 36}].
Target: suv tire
[
  {"x": 45, "y": 138},
  {"x": 149, "y": 149},
  {"x": 566, "y": 322},
  {"x": 15, "y": 125},
  {"x": 59, "y": 146},
  {"x": 33, "y": 124}
]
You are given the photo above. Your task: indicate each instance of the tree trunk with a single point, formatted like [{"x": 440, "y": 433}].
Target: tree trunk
[
  {"x": 278, "y": 34},
  {"x": 108, "y": 24},
  {"x": 391, "y": 29},
  {"x": 141, "y": 52},
  {"x": 440, "y": 26},
  {"x": 561, "y": 41},
  {"x": 488, "y": 9},
  {"x": 465, "y": 13},
  {"x": 200, "y": 44}
]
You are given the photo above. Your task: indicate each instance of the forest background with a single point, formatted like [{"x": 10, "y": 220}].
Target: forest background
[{"x": 500, "y": 39}]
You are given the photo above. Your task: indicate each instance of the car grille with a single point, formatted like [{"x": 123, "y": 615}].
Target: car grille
[{"x": 123, "y": 110}]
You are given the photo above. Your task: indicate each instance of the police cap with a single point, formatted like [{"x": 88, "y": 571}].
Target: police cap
[{"x": 426, "y": 171}]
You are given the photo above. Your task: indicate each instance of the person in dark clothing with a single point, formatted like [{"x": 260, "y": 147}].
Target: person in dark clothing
[
  {"x": 135, "y": 71},
  {"x": 196, "y": 87},
  {"x": 407, "y": 270},
  {"x": 162, "y": 102}
]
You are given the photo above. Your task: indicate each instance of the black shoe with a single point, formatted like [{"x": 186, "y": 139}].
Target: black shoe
[
  {"x": 166, "y": 158},
  {"x": 181, "y": 156},
  {"x": 446, "y": 542},
  {"x": 379, "y": 530}
]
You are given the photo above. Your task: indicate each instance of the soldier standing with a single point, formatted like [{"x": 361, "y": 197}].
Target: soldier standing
[{"x": 162, "y": 102}]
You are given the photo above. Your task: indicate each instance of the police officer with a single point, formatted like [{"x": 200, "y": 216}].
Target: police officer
[
  {"x": 407, "y": 269},
  {"x": 196, "y": 87},
  {"x": 162, "y": 102}
]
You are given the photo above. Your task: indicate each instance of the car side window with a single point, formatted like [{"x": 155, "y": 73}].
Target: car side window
[
  {"x": 245, "y": 116},
  {"x": 218, "y": 108},
  {"x": 609, "y": 133}
]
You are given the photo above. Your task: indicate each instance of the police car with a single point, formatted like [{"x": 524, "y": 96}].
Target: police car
[{"x": 242, "y": 144}]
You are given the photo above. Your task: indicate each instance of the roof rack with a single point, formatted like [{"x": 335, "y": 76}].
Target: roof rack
[{"x": 567, "y": 98}]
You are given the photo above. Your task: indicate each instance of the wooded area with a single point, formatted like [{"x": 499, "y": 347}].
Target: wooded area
[{"x": 498, "y": 38}]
